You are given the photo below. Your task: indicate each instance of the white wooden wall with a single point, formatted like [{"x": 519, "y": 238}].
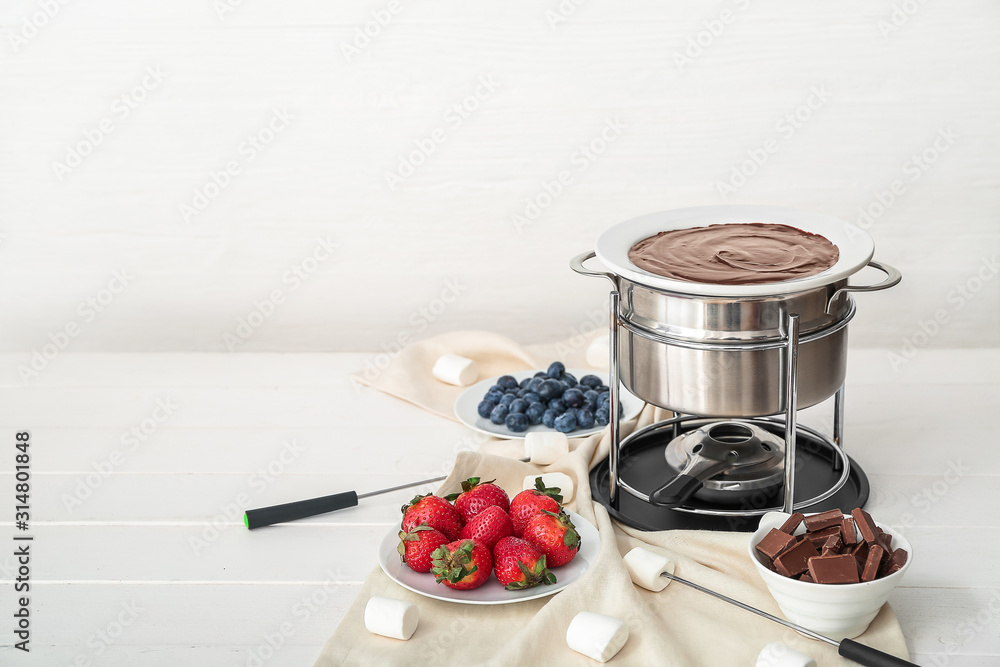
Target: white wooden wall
[{"x": 885, "y": 79}]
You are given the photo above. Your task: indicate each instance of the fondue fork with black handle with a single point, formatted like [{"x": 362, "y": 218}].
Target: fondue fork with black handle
[
  {"x": 848, "y": 648},
  {"x": 300, "y": 509}
]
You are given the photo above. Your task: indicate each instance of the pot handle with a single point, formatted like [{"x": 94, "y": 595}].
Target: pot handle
[
  {"x": 577, "y": 265},
  {"x": 892, "y": 277}
]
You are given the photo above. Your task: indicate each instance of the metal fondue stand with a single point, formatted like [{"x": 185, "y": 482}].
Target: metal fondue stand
[
  {"x": 790, "y": 372},
  {"x": 791, "y": 346}
]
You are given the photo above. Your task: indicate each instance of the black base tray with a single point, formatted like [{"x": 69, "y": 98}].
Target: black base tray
[{"x": 644, "y": 467}]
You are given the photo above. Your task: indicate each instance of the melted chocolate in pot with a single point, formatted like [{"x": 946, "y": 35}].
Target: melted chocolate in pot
[{"x": 735, "y": 254}]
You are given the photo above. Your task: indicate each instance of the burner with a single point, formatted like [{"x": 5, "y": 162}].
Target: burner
[
  {"x": 644, "y": 466},
  {"x": 723, "y": 462}
]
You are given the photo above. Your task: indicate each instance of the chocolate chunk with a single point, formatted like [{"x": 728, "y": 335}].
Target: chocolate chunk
[
  {"x": 894, "y": 563},
  {"x": 840, "y": 569},
  {"x": 872, "y": 563},
  {"x": 795, "y": 560},
  {"x": 884, "y": 540},
  {"x": 860, "y": 553},
  {"x": 792, "y": 523},
  {"x": 806, "y": 578},
  {"x": 819, "y": 538},
  {"x": 847, "y": 531},
  {"x": 832, "y": 545},
  {"x": 824, "y": 520},
  {"x": 774, "y": 543},
  {"x": 897, "y": 561},
  {"x": 865, "y": 524}
]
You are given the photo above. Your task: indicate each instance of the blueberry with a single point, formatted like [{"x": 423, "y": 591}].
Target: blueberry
[
  {"x": 499, "y": 414},
  {"x": 534, "y": 413},
  {"x": 507, "y": 382},
  {"x": 591, "y": 381},
  {"x": 535, "y": 384},
  {"x": 603, "y": 416},
  {"x": 520, "y": 393},
  {"x": 585, "y": 418},
  {"x": 523, "y": 383},
  {"x": 517, "y": 422},
  {"x": 549, "y": 418},
  {"x": 531, "y": 397},
  {"x": 551, "y": 389},
  {"x": 571, "y": 411},
  {"x": 565, "y": 423},
  {"x": 590, "y": 398},
  {"x": 569, "y": 379},
  {"x": 493, "y": 397},
  {"x": 485, "y": 408},
  {"x": 518, "y": 405},
  {"x": 507, "y": 399},
  {"x": 496, "y": 388},
  {"x": 556, "y": 370},
  {"x": 541, "y": 374},
  {"x": 557, "y": 405},
  {"x": 573, "y": 398}
]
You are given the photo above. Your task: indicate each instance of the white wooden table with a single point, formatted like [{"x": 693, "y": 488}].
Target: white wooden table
[{"x": 140, "y": 556}]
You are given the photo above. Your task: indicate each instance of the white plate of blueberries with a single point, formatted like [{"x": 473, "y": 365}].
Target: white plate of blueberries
[{"x": 574, "y": 401}]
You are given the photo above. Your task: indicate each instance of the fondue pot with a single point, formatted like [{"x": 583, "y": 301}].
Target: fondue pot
[{"x": 720, "y": 350}]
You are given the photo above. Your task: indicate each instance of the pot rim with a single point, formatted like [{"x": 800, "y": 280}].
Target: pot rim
[{"x": 855, "y": 245}]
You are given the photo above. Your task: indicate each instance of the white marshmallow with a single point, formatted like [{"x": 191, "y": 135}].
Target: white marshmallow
[
  {"x": 645, "y": 567},
  {"x": 773, "y": 519},
  {"x": 777, "y": 654},
  {"x": 559, "y": 480},
  {"x": 599, "y": 352},
  {"x": 456, "y": 370},
  {"x": 544, "y": 448},
  {"x": 391, "y": 618},
  {"x": 596, "y": 636}
]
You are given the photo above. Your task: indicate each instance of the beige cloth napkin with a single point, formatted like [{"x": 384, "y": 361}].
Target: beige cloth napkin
[{"x": 677, "y": 627}]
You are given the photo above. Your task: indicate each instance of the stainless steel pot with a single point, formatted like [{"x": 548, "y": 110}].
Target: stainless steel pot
[{"x": 723, "y": 356}]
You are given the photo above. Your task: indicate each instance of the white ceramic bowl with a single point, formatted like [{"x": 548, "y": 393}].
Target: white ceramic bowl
[
  {"x": 838, "y": 611},
  {"x": 855, "y": 245}
]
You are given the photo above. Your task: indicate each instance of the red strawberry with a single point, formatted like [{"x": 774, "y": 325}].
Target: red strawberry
[
  {"x": 462, "y": 564},
  {"x": 489, "y": 527},
  {"x": 519, "y": 564},
  {"x": 529, "y": 504},
  {"x": 555, "y": 536},
  {"x": 476, "y": 497},
  {"x": 436, "y": 512},
  {"x": 416, "y": 545}
]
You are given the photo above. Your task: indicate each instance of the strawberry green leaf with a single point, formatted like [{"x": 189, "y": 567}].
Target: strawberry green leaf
[
  {"x": 416, "y": 499},
  {"x": 552, "y": 492}
]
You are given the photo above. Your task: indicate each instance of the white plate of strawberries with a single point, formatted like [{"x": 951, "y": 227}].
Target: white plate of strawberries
[{"x": 482, "y": 547}]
